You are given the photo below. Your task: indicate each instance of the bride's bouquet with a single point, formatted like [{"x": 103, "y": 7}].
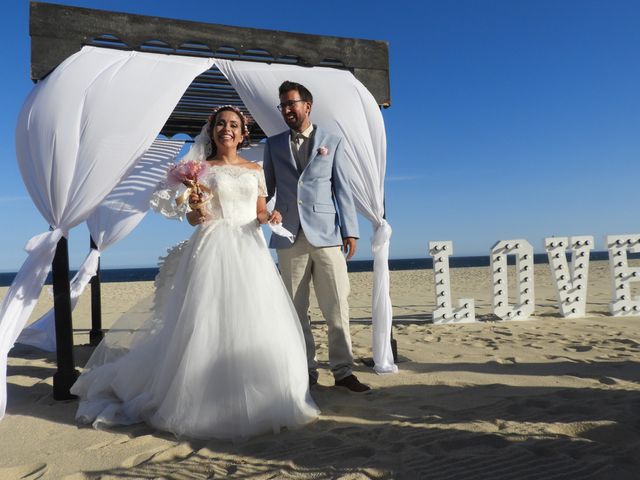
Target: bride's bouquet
[{"x": 190, "y": 173}]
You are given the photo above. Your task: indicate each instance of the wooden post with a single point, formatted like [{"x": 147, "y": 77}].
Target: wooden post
[
  {"x": 66, "y": 374},
  {"x": 96, "y": 334},
  {"x": 394, "y": 347}
]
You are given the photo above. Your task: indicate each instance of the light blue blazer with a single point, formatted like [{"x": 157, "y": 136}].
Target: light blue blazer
[{"x": 319, "y": 199}]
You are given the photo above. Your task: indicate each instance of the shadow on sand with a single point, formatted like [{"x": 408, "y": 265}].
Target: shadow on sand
[{"x": 406, "y": 431}]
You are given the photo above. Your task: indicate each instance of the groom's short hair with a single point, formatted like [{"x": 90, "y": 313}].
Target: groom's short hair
[{"x": 287, "y": 86}]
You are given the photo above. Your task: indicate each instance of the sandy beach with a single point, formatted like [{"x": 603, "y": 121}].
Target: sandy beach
[{"x": 546, "y": 398}]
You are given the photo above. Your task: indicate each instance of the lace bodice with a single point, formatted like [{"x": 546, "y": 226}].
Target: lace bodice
[{"x": 235, "y": 190}]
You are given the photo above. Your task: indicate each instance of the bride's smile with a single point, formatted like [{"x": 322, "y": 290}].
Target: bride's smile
[{"x": 227, "y": 130}]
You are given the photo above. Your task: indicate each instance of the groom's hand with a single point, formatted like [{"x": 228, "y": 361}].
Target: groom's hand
[
  {"x": 275, "y": 217},
  {"x": 349, "y": 246}
]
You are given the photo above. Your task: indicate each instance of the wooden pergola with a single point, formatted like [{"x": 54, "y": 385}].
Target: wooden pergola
[{"x": 59, "y": 31}]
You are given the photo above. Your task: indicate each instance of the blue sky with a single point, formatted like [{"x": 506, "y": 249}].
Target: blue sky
[{"x": 509, "y": 119}]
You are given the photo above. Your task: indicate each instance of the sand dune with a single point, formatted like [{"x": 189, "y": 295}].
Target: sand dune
[{"x": 541, "y": 399}]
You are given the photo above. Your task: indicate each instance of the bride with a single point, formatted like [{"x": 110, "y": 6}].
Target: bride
[{"x": 221, "y": 354}]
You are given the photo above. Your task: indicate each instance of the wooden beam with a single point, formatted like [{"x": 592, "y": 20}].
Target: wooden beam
[{"x": 58, "y": 31}]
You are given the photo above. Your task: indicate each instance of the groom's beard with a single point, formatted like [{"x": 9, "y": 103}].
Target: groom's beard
[{"x": 294, "y": 122}]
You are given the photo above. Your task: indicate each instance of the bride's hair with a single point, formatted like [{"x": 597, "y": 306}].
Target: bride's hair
[{"x": 243, "y": 126}]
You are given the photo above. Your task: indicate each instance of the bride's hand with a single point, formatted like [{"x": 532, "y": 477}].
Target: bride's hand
[
  {"x": 262, "y": 217},
  {"x": 195, "y": 198},
  {"x": 195, "y": 217}
]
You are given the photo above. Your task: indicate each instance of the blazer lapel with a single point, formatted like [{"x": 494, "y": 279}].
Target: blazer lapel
[{"x": 318, "y": 139}]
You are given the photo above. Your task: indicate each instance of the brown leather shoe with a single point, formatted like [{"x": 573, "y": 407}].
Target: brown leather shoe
[{"x": 352, "y": 383}]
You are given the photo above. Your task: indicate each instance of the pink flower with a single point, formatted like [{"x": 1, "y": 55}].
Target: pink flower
[
  {"x": 186, "y": 171},
  {"x": 323, "y": 151}
]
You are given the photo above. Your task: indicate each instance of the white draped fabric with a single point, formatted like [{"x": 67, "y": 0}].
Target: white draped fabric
[
  {"x": 116, "y": 217},
  {"x": 342, "y": 105},
  {"x": 78, "y": 134}
]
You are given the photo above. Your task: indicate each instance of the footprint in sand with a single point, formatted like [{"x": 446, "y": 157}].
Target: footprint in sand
[
  {"x": 173, "y": 454},
  {"x": 626, "y": 341},
  {"x": 30, "y": 471},
  {"x": 578, "y": 348},
  {"x": 562, "y": 357},
  {"x": 99, "y": 446},
  {"x": 507, "y": 361},
  {"x": 506, "y": 333},
  {"x": 136, "y": 460},
  {"x": 608, "y": 381}
]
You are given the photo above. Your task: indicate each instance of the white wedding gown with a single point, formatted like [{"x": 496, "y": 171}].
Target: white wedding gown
[{"x": 222, "y": 354}]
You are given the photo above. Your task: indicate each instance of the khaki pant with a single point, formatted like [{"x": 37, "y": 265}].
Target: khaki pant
[{"x": 327, "y": 267}]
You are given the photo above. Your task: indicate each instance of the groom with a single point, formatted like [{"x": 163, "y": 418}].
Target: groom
[{"x": 307, "y": 168}]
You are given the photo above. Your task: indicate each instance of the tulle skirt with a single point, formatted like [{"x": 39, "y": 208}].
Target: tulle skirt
[{"x": 221, "y": 355}]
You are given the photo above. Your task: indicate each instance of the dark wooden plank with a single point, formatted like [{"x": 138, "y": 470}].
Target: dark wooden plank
[{"x": 58, "y": 31}]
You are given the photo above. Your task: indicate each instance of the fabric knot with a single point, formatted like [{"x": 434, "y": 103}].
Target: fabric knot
[
  {"x": 45, "y": 240},
  {"x": 381, "y": 236}
]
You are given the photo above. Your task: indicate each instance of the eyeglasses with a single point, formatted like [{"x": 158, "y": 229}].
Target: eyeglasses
[{"x": 288, "y": 104}]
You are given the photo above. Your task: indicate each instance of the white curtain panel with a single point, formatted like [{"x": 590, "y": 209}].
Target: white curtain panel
[
  {"x": 342, "y": 105},
  {"x": 79, "y": 133},
  {"x": 118, "y": 214}
]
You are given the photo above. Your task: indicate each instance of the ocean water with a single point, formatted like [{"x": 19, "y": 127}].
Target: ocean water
[{"x": 146, "y": 274}]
